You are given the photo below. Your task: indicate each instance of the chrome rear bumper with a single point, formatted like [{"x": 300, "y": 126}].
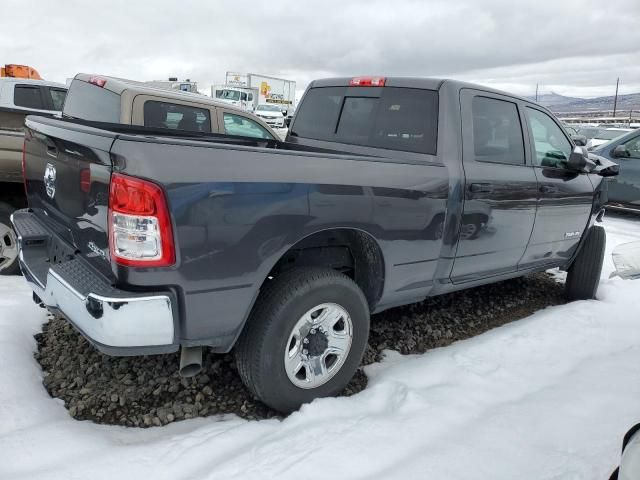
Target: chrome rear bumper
[{"x": 117, "y": 322}]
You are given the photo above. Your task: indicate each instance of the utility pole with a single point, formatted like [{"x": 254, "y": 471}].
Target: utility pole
[
  {"x": 536, "y": 92},
  {"x": 615, "y": 99}
]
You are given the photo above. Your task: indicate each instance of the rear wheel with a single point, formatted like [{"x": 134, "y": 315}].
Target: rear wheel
[
  {"x": 304, "y": 339},
  {"x": 583, "y": 276},
  {"x": 8, "y": 243}
]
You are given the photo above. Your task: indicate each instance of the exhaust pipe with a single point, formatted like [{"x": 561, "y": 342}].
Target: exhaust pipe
[{"x": 190, "y": 361}]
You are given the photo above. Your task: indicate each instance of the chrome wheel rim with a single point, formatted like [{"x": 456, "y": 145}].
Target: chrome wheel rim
[
  {"x": 8, "y": 246},
  {"x": 318, "y": 345}
]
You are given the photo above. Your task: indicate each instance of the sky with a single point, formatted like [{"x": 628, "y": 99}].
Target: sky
[{"x": 575, "y": 48}]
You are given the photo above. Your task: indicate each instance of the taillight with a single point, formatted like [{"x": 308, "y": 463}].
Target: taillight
[
  {"x": 140, "y": 232},
  {"x": 85, "y": 180},
  {"x": 367, "y": 82},
  {"x": 100, "y": 82},
  {"x": 24, "y": 166}
]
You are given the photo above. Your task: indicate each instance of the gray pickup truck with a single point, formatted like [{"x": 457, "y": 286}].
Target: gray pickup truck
[
  {"x": 386, "y": 191},
  {"x": 19, "y": 97}
]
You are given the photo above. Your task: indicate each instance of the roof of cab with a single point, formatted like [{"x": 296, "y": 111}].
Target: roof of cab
[{"x": 119, "y": 85}]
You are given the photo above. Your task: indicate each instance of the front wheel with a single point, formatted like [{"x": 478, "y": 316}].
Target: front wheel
[
  {"x": 304, "y": 339},
  {"x": 583, "y": 276}
]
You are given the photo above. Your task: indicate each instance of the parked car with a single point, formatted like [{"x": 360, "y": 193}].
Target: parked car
[
  {"x": 624, "y": 190},
  {"x": 272, "y": 114},
  {"x": 18, "y": 98},
  {"x": 387, "y": 191},
  {"x": 145, "y": 105},
  {"x": 598, "y": 136},
  {"x": 630, "y": 464}
]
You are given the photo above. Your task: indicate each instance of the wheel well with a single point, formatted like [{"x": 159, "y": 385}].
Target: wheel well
[{"x": 352, "y": 252}]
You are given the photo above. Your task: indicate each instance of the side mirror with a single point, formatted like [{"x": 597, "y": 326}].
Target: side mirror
[
  {"x": 620, "y": 152},
  {"x": 579, "y": 140},
  {"x": 578, "y": 162},
  {"x": 604, "y": 166}
]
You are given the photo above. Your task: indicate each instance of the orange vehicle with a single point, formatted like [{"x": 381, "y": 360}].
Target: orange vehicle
[{"x": 19, "y": 71}]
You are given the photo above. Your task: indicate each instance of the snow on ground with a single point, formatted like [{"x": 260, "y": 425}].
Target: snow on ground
[{"x": 547, "y": 397}]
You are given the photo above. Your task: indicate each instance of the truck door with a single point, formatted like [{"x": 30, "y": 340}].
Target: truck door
[
  {"x": 565, "y": 198},
  {"x": 500, "y": 188}
]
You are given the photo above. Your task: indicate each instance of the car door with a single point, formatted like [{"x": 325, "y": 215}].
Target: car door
[
  {"x": 565, "y": 197},
  {"x": 500, "y": 188},
  {"x": 625, "y": 188}
]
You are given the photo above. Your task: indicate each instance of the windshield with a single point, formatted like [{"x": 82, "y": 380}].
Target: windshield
[
  {"x": 230, "y": 95},
  {"x": 269, "y": 108}
]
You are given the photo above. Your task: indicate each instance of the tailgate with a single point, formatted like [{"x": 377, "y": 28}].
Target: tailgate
[{"x": 67, "y": 171}]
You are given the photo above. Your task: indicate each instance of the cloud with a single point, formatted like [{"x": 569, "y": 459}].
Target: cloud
[{"x": 574, "y": 47}]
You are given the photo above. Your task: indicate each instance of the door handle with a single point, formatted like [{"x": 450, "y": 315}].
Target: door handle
[
  {"x": 52, "y": 151},
  {"x": 548, "y": 189},
  {"x": 480, "y": 188}
]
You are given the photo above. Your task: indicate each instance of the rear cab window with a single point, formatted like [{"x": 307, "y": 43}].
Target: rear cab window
[
  {"x": 394, "y": 118},
  {"x": 176, "y": 116},
  {"x": 29, "y": 96},
  {"x": 56, "y": 96},
  {"x": 39, "y": 97},
  {"x": 90, "y": 102}
]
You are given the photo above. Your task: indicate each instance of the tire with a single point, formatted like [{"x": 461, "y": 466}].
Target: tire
[
  {"x": 583, "y": 276},
  {"x": 9, "y": 264},
  {"x": 269, "y": 337}
]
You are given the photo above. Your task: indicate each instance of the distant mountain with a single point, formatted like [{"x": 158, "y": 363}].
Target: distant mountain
[
  {"x": 560, "y": 103},
  {"x": 551, "y": 99}
]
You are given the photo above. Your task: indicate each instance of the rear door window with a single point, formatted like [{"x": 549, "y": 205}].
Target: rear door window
[
  {"x": 403, "y": 119},
  {"x": 91, "y": 102},
  {"x": 176, "y": 116},
  {"x": 244, "y": 127},
  {"x": 497, "y": 132},
  {"x": 29, "y": 96}
]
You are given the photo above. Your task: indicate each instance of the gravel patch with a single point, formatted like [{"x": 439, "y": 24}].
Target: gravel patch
[{"x": 147, "y": 391}]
